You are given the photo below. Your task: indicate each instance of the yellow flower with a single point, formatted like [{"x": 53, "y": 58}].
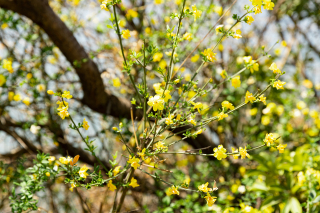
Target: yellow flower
[
  {"x": 219, "y": 29},
  {"x": 63, "y": 112},
  {"x": 209, "y": 54},
  {"x": 166, "y": 93},
  {"x": 156, "y": 102},
  {"x": 2, "y": 80},
  {"x": 235, "y": 82},
  {"x": 195, "y": 58},
  {"x": 256, "y": 2},
  {"x": 169, "y": 119},
  {"x": 263, "y": 99},
  {"x": 157, "y": 57},
  {"x": 268, "y": 5},
  {"x": 51, "y": 159},
  {"x": 7, "y": 64},
  {"x": 227, "y": 105},
  {"x": 254, "y": 67},
  {"x": 163, "y": 64},
  {"x": 218, "y": 10},
  {"x": 187, "y": 36},
  {"x": 243, "y": 152},
  {"x": 306, "y": 82},
  {"x": 48, "y": 174},
  {"x": 257, "y": 10},
  {"x": 192, "y": 121},
  {"x": 133, "y": 183},
  {"x": 223, "y": 74},
  {"x": 116, "y": 82},
  {"x": 85, "y": 124},
  {"x": 247, "y": 59},
  {"x": 196, "y": 13},
  {"x": 249, "y": 20},
  {"x": 64, "y": 160},
  {"x": 269, "y": 139},
  {"x": 221, "y": 116},
  {"x": 274, "y": 68},
  {"x": 134, "y": 162},
  {"x": 156, "y": 86},
  {"x": 116, "y": 170},
  {"x": 17, "y": 97},
  {"x": 279, "y": 84},
  {"x": 50, "y": 92},
  {"x": 41, "y": 87},
  {"x": 197, "y": 105},
  {"x": 172, "y": 190},
  {"x": 26, "y": 101},
  {"x": 204, "y": 187},
  {"x": 283, "y": 43},
  {"x": 142, "y": 154},
  {"x": 235, "y": 156},
  {"x": 281, "y": 147},
  {"x": 131, "y": 14},
  {"x": 111, "y": 186},
  {"x": 10, "y": 96},
  {"x": 66, "y": 94},
  {"x": 73, "y": 185},
  {"x": 4, "y": 26},
  {"x": 220, "y": 152},
  {"x": 160, "y": 145},
  {"x": 210, "y": 200},
  {"x": 249, "y": 97},
  {"x": 83, "y": 171},
  {"x": 237, "y": 35},
  {"x": 126, "y": 34}
]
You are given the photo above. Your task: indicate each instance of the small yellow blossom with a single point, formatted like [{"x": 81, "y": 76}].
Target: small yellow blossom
[
  {"x": 237, "y": 35},
  {"x": 279, "y": 84},
  {"x": 156, "y": 102},
  {"x": 26, "y": 101},
  {"x": 160, "y": 145},
  {"x": 236, "y": 82},
  {"x": 197, "y": 105},
  {"x": 169, "y": 119},
  {"x": 111, "y": 186},
  {"x": 256, "y": 2},
  {"x": 64, "y": 160},
  {"x": 48, "y": 174},
  {"x": 17, "y": 97},
  {"x": 221, "y": 116},
  {"x": 219, "y": 29},
  {"x": 73, "y": 185},
  {"x": 269, "y": 139},
  {"x": 223, "y": 74},
  {"x": 220, "y": 152},
  {"x": 126, "y": 34},
  {"x": 192, "y": 121},
  {"x": 249, "y": 97},
  {"x": 263, "y": 99},
  {"x": 131, "y": 14},
  {"x": 227, "y": 105},
  {"x": 243, "y": 152},
  {"x": 257, "y": 10},
  {"x": 172, "y": 190},
  {"x": 133, "y": 183},
  {"x": 157, "y": 57},
  {"x": 83, "y": 172},
  {"x": 7, "y": 64},
  {"x": 274, "y": 68},
  {"x": 4, "y": 26},
  {"x": 307, "y": 83},
  {"x": 211, "y": 56},
  {"x": 41, "y": 87},
  {"x": 63, "y": 112},
  {"x": 247, "y": 59},
  {"x": 249, "y": 20},
  {"x": 2, "y": 80},
  {"x": 187, "y": 36},
  {"x": 166, "y": 94},
  {"x": 210, "y": 200},
  {"x": 66, "y": 94},
  {"x": 268, "y": 5},
  {"x": 283, "y": 43},
  {"x": 196, "y": 13},
  {"x": 195, "y": 58},
  {"x": 204, "y": 187},
  {"x": 134, "y": 162},
  {"x": 281, "y": 147},
  {"x": 142, "y": 154},
  {"x": 50, "y": 92},
  {"x": 235, "y": 156},
  {"x": 85, "y": 124},
  {"x": 116, "y": 170},
  {"x": 51, "y": 159}
]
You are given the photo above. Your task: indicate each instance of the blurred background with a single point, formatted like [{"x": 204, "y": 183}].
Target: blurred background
[{"x": 68, "y": 45}]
